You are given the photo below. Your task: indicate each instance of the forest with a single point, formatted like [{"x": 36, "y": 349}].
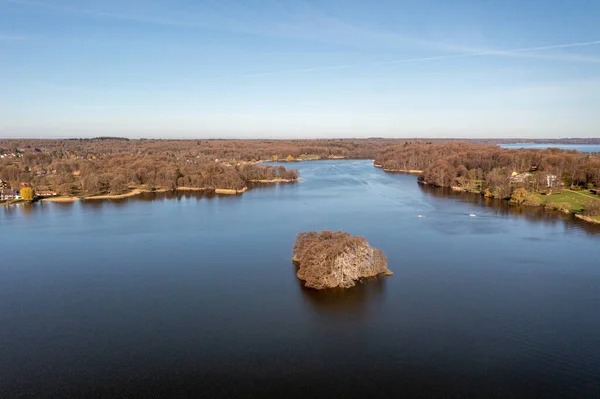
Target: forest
[
  {"x": 239, "y": 150},
  {"x": 115, "y": 166},
  {"x": 105, "y": 165},
  {"x": 516, "y": 174}
]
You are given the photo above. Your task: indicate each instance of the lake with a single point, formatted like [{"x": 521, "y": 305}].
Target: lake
[
  {"x": 576, "y": 147},
  {"x": 195, "y": 295}
]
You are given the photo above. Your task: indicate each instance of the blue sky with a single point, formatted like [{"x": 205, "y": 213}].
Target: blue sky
[{"x": 302, "y": 68}]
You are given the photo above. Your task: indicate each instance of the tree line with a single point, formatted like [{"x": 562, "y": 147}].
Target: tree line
[
  {"x": 77, "y": 169},
  {"x": 461, "y": 164},
  {"x": 494, "y": 171},
  {"x": 114, "y": 165},
  {"x": 233, "y": 150},
  {"x": 106, "y": 165}
]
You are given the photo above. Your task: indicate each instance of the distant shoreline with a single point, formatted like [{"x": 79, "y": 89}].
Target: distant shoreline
[
  {"x": 316, "y": 158},
  {"x": 408, "y": 171},
  {"x": 137, "y": 191}
]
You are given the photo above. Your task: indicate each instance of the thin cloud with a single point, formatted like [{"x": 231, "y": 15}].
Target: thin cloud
[
  {"x": 101, "y": 14},
  {"x": 213, "y": 19},
  {"x": 497, "y": 52},
  {"x": 421, "y": 59},
  {"x": 11, "y": 37}
]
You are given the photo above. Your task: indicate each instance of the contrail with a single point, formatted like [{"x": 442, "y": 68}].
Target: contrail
[
  {"x": 161, "y": 21},
  {"x": 496, "y": 52},
  {"x": 480, "y": 53},
  {"x": 491, "y": 52},
  {"x": 421, "y": 59}
]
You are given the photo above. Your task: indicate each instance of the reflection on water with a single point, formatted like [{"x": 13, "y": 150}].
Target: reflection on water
[
  {"x": 27, "y": 208},
  {"x": 504, "y": 208},
  {"x": 64, "y": 205},
  {"x": 351, "y": 304},
  {"x": 166, "y": 293},
  {"x": 147, "y": 197}
]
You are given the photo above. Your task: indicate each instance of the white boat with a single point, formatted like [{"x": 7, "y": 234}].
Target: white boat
[
  {"x": 419, "y": 216},
  {"x": 472, "y": 215}
]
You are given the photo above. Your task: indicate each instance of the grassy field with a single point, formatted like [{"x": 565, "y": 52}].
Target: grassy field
[
  {"x": 588, "y": 194},
  {"x": 577, "y": 199}
]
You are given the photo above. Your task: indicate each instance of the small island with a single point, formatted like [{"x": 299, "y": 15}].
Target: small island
[{"x": 330, "y": 259}]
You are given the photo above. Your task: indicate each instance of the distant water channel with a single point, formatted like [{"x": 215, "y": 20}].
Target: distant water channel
[
  {"x": 576, "y": 147},
  {"x": 193, "y": 295}
]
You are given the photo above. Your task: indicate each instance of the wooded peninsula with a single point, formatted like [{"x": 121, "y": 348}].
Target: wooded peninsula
[
  {"x": 109, "y": 167},
  {"x": 563, "y": 180}
]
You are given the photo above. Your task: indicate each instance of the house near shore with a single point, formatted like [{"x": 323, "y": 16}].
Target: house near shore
[
  {"x": 9, "y": 195},
  {"x": 520, "y": 177},
  {"x": 552, "y": 180},
  {"x": 44, "y": 191}
]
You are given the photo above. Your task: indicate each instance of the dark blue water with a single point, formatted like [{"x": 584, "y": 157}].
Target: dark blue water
[
  {"x": 577, "y": 147},
  {"x": 188, "y": 295}
]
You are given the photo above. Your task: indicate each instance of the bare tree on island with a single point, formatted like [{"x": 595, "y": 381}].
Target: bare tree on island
[{"x": 336, "y": 259}]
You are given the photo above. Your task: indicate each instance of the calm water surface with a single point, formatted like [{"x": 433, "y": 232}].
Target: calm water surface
[
  {"x": 577, "y": 147},
  {"x": 188, "y": 295}
]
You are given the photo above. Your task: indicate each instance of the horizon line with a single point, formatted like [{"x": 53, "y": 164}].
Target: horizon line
[{"x": 299, "y": 139}]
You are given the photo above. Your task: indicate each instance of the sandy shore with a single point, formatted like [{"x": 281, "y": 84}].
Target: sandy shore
[
  {"x": 587, "y": 219},
  {"x": 228, "y": 191},
  {"x": 273, "y": 181},
  {"x": 138, "y": 191},
  {"x": 183, "y": 188},
  {"x": 411, "y": 171},
  {"x": 132, "y": 193},
  {"x": 60, "y": 199}
]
